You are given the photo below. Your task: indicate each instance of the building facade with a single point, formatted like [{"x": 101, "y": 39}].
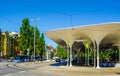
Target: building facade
[
  {"x": 8, "y": 44},
  {"x": 50, "y": 52},
  {"x": 1, "y": 44}
]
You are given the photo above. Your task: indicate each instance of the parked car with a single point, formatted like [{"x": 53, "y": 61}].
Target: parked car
[
  {"x": 21, "y": 58},
  {"x": 107, "y": 64},
  {"x": 58, "y": 60}
]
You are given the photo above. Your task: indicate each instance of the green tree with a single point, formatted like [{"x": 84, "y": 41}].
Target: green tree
[
  {"x": 24, "y": 39},
  {"x": 31, "y": 39},
  {"x": 62, "y": 53},
  {"x": 80, "y": 53},
  {"x": 108, "y": 55},
  {"x": 41, "y": 46},
  {"x": 37, "y": 35},
  {"x": 115, "y": 55},
  {"x": 51, "y": 54}
]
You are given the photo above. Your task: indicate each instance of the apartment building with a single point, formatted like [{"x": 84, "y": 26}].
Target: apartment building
[{"x": 8, "y": 44}]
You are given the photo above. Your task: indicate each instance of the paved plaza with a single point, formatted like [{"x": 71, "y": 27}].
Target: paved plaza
[
  {"x": 54, "y": 69},
  {"x": 77, "y": 71}
]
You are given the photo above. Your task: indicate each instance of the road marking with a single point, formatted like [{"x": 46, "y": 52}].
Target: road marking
[
  {"x": 22, "y": 71},
  {"x": 8, "y": 75}
]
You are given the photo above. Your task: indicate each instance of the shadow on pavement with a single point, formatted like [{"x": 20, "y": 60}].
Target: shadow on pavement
[
  {"x": 59, "y": 64},
  {"x": 118, "y": 73}
]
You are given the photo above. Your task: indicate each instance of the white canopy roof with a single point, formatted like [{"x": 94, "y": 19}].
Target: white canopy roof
[{"x": 100, "y": 33}]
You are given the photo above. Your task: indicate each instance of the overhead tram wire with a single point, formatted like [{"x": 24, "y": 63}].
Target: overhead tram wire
[
  {"x": 8, "y": 20},
  {"x": 55, "y": 11},
  {"x": 58, "y": 12},
  {"x": 99, "y": 10},
  {"x": 70, "y": 15},
  {"x": 12, "y": 22}
]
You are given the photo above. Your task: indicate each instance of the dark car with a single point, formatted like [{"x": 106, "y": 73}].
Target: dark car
[
  {"x": 21, "y": 58},
  {"x": 58, "y": 60},
  {"x": 107, "y": 64}
]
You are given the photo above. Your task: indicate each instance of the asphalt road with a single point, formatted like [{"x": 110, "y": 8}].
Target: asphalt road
[
  {"x": 20, "y": 69},
  {"x": 53, "y": 69},
  {"x": 8, "y": 68},
  {"x": 27, "y": 69}
]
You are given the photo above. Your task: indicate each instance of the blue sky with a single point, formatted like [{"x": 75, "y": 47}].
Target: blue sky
[{"x": 55, "y": 14}]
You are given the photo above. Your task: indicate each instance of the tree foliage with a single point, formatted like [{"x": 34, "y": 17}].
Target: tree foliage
[
  {"x": 62, "y": 53},
  {"x": 80, "y": 53},
  {"x": 23, "y": 42},
  {"x": 26, "y": 39},
  {"x": 51, "y": 54},
  {"x": 108, "y": 55},
  {"x": 41, "y": 46},
  {"x": 31, "y": 39}
]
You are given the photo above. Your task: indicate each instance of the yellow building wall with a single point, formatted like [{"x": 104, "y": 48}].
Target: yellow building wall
[
  {"x": 7, "y": 45},
  {"x": 4, "y": 46},
  {"x": 1, "y": 43}
]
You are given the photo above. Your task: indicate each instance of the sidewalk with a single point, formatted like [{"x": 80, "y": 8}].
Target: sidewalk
[
  {"x": 31, "y": 64},
  {"x": 72, "y": 71},
  {"x": 89, "y": 71},
  {"x": 78, "y": 71}
]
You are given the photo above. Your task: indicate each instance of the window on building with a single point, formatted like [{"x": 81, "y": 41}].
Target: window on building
[{"x": 1, "y": 45}]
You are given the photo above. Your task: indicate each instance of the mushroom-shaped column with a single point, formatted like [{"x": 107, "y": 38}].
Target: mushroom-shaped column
[
  {"x": 98, "y": 36},
  {"x": 94, "y": 48},
  {"x": 69, "y": 43}
]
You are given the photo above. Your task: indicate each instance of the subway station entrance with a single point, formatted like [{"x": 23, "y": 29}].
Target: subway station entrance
[{"x": 95, "y": 45}]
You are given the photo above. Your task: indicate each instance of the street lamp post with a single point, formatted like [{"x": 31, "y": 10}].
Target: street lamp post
[{"x": 34, "y": 20}]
